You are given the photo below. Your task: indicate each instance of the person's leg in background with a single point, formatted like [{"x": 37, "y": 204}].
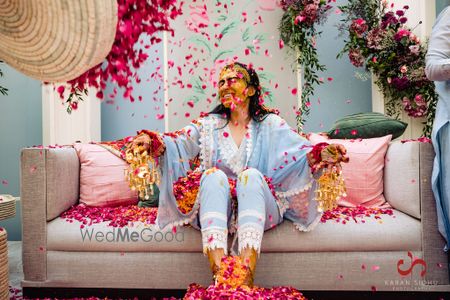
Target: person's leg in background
[{"x": 443, "y": 182}]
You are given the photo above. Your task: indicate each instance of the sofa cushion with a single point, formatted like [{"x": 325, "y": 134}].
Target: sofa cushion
[
  {"x": 102, "y": 177},
  {"x": 389, "y": 233},
  {"x": 366, "y": 125},
  {"x": 363, "y": 174}
]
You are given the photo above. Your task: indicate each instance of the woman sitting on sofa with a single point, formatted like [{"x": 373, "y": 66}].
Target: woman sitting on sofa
[{"x": 254, "y": 171}]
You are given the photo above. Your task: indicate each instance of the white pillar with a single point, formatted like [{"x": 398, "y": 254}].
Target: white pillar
[
  {"x": 61, "y": 128},
  {"x": 419, "y": 10}
]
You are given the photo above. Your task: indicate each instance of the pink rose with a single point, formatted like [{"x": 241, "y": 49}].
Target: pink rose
[
  {"x": 420, "y": 100},
  {"x": 403, "y": 69}
]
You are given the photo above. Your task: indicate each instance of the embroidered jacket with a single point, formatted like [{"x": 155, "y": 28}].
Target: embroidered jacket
[{"x": 270, "y": 146}]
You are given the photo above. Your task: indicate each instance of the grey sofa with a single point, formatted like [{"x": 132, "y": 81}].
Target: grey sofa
[{"x": 334, "y": 256}]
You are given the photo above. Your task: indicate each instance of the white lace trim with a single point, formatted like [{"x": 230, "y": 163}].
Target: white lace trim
[
  {"x": 281, "y": 197},
  {"x": 232, "y": 155},
  {"x": 250, "y": 236},
  {"x": 252, "y": 213},
  {"x": 283, "y": 205},
  {"x": 295, "y": 191},
  {"x": 249, "y": 139},
  {"x": 215, "y": 238},
  {"x": 213, "y": 215},
  {"x": 206, "y": 143},
  {"x": 311, "y": 226}
]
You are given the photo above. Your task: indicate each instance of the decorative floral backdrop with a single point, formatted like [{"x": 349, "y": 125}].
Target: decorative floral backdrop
[{"x": 211, "y": 33}]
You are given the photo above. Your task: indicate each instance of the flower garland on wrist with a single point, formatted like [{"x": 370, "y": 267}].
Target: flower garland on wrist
[
  {"x": 380, "y": 40},
  {"x": 331, "y": 184},
  {"x": 143, "y": 170},
  {"x": 298, "y": 31}
]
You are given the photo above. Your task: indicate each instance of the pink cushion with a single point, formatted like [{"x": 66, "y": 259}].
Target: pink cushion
[
  {"x": 363, "y": 174},
  {"x": 102, "y": 177}
]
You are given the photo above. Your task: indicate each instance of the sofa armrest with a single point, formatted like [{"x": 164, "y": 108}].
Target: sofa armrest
[
  {"x": 402, "y": 177},
  {"x": 432, "y": 241},
  {"x": 49, "y": 185}
]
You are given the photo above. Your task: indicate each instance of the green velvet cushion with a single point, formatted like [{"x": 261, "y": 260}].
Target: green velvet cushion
[{"x": 366, "y": 125}]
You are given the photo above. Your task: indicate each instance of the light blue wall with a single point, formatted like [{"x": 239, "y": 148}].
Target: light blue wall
[
  {"x": 441, "y": 4},
  {"x": 123, "y": 118},
  {"x": 345, "y": 94},
  {"x": 20, "y": 126}
]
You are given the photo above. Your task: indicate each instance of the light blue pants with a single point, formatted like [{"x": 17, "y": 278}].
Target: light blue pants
[{"x": 257, "y": 210}]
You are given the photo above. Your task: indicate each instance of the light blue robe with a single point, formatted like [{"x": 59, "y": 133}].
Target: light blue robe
[
  {"x": 438, "y": 69},
  {"x": 272, "y": 147}
]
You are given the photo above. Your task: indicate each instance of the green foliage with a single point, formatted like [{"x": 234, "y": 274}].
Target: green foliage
[
  {"x": 300, "y": 38},
  {"x": 75, "y": 97}
]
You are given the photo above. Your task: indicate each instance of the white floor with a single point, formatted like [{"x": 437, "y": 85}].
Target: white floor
[{"x": 15, "y": 263}]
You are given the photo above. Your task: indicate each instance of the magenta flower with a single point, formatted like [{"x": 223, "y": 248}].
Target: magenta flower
[
  {"x": 356, "y": 57},
  {"x": 359, "y": 26},
  {"x": 375, "y": 37},
  {"x": 401, "y": 33},
  {"x": 419, "y": 99},
  {"x": 400, "y": 83},
  {"x": 310, "y": 13},
  {"x": 388, "y": 19}
]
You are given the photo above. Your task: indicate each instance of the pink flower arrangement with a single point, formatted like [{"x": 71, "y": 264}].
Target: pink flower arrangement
[
  {"x": 380, "y": 40},
  {"x": 135, "y": 17}
]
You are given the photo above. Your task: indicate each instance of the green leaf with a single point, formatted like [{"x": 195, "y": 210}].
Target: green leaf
[
  {"x": 221, "y": 53},
  {"x": 246, "y": 34},
  {"x": 3, "y": 91},
  {"x": 229, "y": 28},
  {"x": 197, "y": 86},
  {"x": 201, "y": 41},
  {"x": 222, "y": 18}
]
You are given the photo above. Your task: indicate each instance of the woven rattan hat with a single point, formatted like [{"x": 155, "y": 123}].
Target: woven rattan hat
[{"x": 56, "y": 40}]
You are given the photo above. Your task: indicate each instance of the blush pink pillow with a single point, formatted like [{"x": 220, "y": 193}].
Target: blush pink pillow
[
  {"x": 363, "y": 174},
  {"x": 102, "y": 177}
]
